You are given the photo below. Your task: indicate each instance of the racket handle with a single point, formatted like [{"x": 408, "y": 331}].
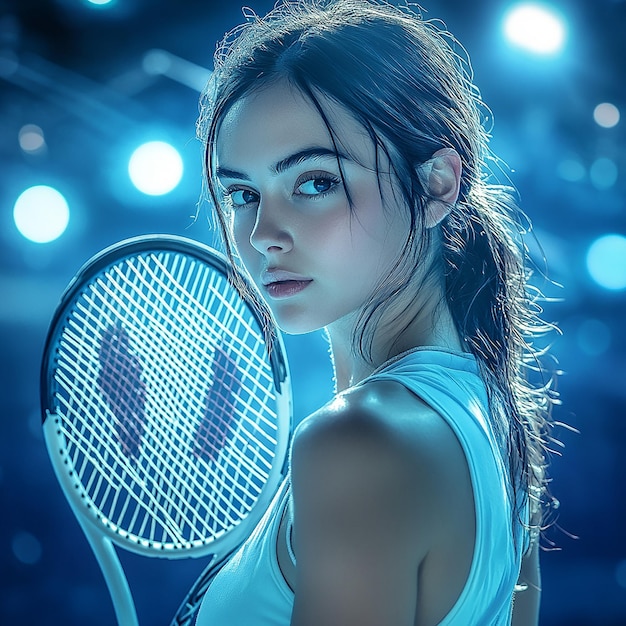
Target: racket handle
[
  {"x": 113, "y": 573},
  {"x": 101, "y": 545}
]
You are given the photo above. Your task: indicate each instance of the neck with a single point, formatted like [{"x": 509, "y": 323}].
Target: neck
[{"x": 432, "y": 326}]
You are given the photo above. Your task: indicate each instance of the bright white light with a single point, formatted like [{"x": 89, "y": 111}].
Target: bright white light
[
  {"x": 536, "y": 28},
  {"x": 99, "y": 2},
  {"x": 155, "y": 168},
  {"x": 41, "y": 214},
  {"x": 606, "y": 261},
  {"x": 606, "y": 115}
]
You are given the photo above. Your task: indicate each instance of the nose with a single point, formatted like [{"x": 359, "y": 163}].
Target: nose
[{"x": 270, "y": 233}]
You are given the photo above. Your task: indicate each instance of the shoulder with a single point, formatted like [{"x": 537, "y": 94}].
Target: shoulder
[
  {"x": 383, "y": 419},
  {"x": 381, "y": 443},
  {"x": 368, "y": 506}
]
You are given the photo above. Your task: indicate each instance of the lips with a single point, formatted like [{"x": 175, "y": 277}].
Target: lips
[
  {"x": 286, "y": 288},
  {"x": 283, "y": 284}
]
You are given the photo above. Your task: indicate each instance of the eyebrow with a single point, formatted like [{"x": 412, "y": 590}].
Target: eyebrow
[{"x": 292, "y": 160}]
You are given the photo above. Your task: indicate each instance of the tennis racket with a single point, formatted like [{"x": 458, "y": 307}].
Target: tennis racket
[{"x": 166, "y": 408}]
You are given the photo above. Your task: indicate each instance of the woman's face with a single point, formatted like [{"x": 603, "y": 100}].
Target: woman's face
[{"x": 313, "y": 257}]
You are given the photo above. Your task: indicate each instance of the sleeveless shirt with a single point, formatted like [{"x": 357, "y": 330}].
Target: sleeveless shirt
[{"x": 250, "y": 590}]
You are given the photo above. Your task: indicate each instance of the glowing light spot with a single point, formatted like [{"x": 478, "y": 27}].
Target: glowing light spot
[
  {"x": 26, "y": 548},
  {"x": 606, "y": 261},
  {"x": 155, "y": 168},
  {"x": 571, "y": 170},
  {"x": 606, "y": 115},
  {"x": 156, "y": 62},
  {"x": 99, "y": 2},
  {"x": 535, "y": 28},
  {"x": 31, "y": 139},
  {"x": 603, "y": 173},
  {"x": 41, "y": 214}
]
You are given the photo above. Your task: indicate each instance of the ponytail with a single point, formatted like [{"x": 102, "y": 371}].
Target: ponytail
[{"x": 486, "y": 286}]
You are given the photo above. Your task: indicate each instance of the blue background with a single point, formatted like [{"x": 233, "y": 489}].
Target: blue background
[{"x": 76, "y": 72}]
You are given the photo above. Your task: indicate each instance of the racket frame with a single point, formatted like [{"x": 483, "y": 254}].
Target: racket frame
[{"x": 102, "y": 534}]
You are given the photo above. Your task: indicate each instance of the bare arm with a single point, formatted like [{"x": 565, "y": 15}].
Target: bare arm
[{"x": 355, "y": 522}]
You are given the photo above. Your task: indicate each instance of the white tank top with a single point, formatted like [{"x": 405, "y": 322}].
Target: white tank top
[{"x": 250, "y": 589}]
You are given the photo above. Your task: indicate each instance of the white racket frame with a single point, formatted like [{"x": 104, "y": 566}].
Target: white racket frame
[{"x": 103, "y": 535}]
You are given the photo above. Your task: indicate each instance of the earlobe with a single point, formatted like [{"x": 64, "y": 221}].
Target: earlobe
[{"x": 441, "y": 177}]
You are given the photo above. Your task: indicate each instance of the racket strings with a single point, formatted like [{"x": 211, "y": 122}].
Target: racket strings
[
  {"x": 200, "y": 316},
  {"x": 126, "y": 400},
  {"x": 162, "y": 458},
  {"x": 119, "y": 478},
  {"x": 217, "y": 388}
]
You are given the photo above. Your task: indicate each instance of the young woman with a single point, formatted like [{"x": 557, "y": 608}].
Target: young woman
[{"x": 345, "y": 155}]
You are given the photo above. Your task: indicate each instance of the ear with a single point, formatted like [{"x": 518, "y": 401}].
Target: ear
[{"x": 441, "y": 177}]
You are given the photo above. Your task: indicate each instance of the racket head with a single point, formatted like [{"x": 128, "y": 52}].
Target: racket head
[{"x": 166, "y": 399}]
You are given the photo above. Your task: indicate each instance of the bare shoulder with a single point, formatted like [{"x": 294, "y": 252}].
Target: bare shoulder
[
  {"x": 383, "y": 419},
  {"x": 375, "y": 517},
  {"x": 382, "y": 443}
]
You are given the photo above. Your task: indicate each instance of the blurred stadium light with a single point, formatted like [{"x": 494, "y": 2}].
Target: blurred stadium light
[
  {"x": 41, "y": 214},
  {"x": 31, "y": 139},
  {"x": 603, "y": 173},
  {"x": 155, "y": 168},
  {"x": 536, "y": 28},
  {"x": 606, "y": 115},
  {"x": 606, "y": 261}
]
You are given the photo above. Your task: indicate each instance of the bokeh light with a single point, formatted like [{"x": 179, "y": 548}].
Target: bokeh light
[
  {"x": 31, "y": 139},
  {"x": 603, "y": 173},
  {"x": 606, "y": 115},
  {"x": 571, "y": 170},
  {"x": 26, "y": 548},
  {"x": 41, "y": 214},
  {"x": 535, "y": 28},
  {"x": 155, "y": 168},
  {"x": 606, "y": 261}
]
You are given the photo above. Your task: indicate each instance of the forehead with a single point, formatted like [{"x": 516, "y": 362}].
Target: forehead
[{"x": 268, "y": 124}]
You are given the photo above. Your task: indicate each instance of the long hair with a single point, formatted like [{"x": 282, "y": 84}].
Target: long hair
[{"x": 409, "y": 84}]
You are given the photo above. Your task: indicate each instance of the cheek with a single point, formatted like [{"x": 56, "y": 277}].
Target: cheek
[
  {"x": 240, "y": 231},
  {"x": 240, "y": 236}
]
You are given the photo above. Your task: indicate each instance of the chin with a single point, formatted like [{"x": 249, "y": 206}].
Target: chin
[
  {"x": 296, "y": 324},
  {"x": 290, "y": 328}
]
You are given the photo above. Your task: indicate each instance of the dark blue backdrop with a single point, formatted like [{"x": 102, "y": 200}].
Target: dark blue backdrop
[{"x": 77, "y": 73}]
